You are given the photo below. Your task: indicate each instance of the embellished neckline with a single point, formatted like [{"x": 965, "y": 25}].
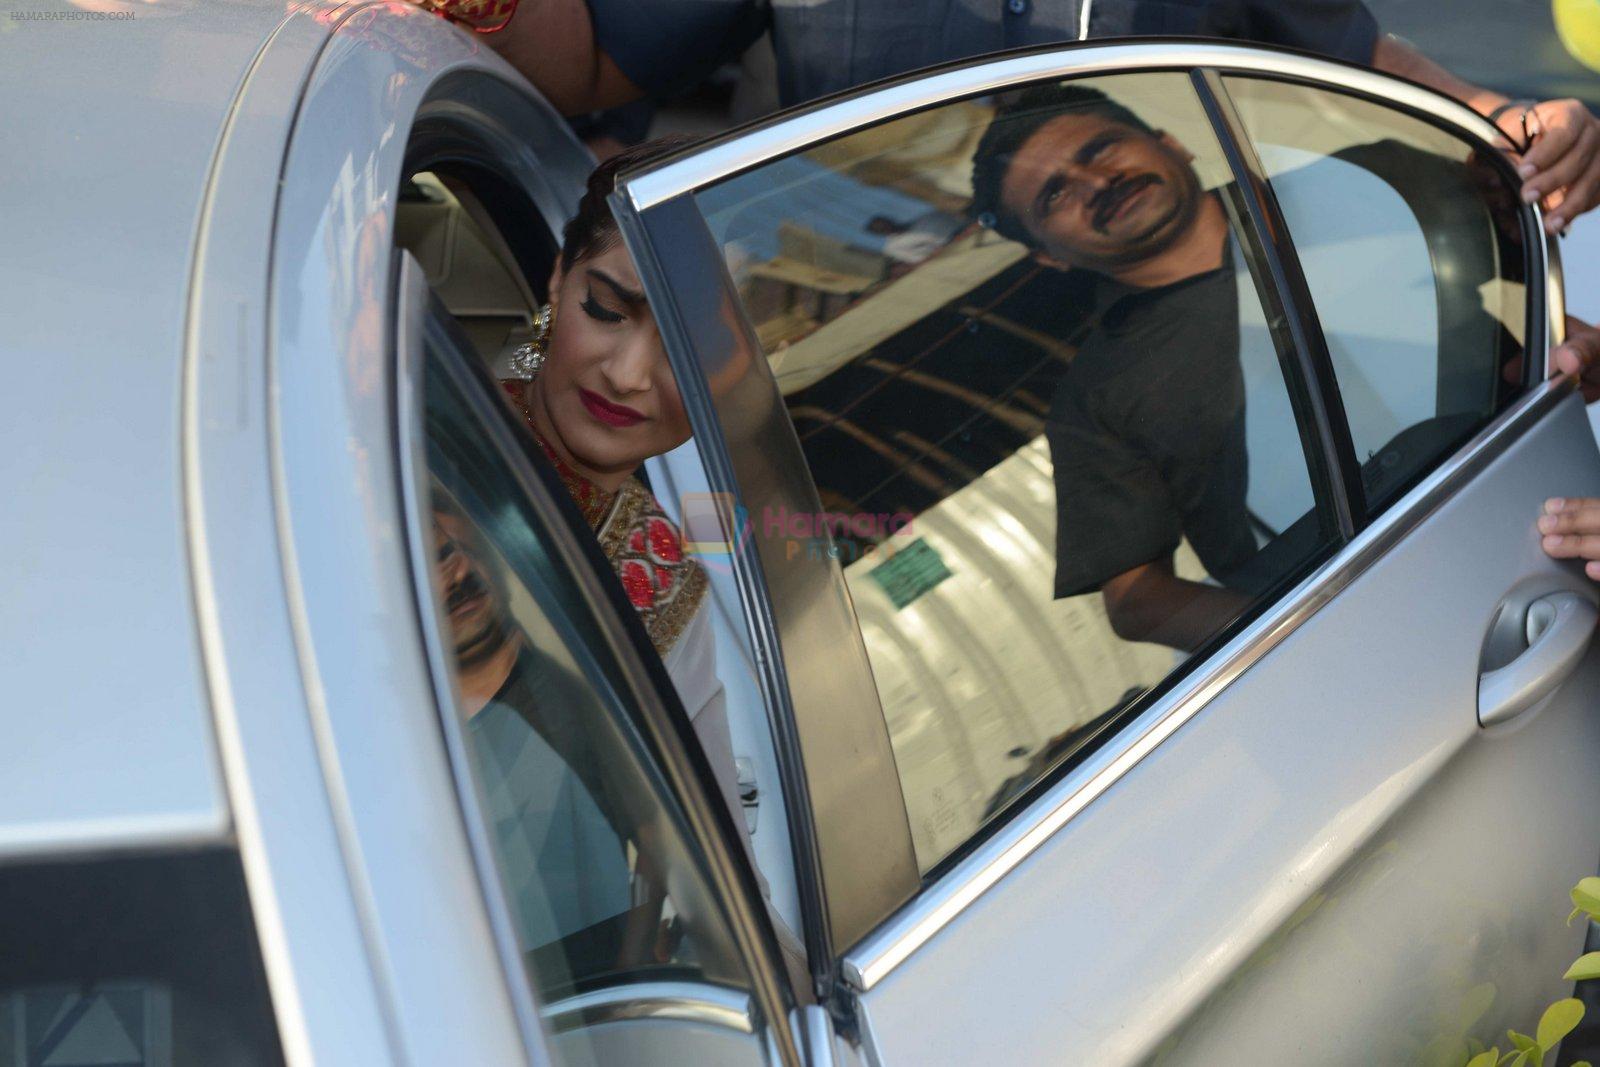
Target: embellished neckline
[{"x": 593, "y": 501}]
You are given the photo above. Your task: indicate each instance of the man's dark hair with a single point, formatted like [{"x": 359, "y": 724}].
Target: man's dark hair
[
  {"x": 1013, "y": 124},
  {"x": 593, "y": 229}
]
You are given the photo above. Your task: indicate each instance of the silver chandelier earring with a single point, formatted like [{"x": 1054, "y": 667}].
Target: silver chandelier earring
[{"x": 527, "y": 360}]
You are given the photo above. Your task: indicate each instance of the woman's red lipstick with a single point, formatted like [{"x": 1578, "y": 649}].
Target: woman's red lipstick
[{"x": 607, "y": 412}]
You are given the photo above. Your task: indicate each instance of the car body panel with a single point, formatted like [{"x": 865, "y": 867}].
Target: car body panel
[
  {"x": 1326, "y": 865},
  {"x": 332, "y": 374},
  {"x": 108, "y": 160},
  {"x": 289, "y": 829}
]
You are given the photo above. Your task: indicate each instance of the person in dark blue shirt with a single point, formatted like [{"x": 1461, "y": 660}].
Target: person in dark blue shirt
[{"x": 588, "y": 55}]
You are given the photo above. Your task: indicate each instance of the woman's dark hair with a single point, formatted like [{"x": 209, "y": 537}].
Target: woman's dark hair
[
  {"x": 1014, "y": 123},
  {"x": 593, "y": 229}
]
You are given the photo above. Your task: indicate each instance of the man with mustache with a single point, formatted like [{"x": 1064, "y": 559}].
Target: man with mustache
[
  {"x": 559, "y": 833},
  {"x": 556, "y": 796},
  {"x": 1146, "y": 430}
]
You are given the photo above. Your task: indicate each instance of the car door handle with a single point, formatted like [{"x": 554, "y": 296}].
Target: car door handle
[{"x": 1560, "y": 627}]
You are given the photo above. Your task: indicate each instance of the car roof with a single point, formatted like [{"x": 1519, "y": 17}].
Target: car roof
[{"x": 114, "y": 112}]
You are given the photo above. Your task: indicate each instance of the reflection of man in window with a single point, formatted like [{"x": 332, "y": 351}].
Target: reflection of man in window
[
  {"x": 1146, "y": 430},
  {"x": 557, "y": 832}
]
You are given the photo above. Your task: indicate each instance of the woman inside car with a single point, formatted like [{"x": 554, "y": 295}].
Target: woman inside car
[{"x": 595, "y": 389}]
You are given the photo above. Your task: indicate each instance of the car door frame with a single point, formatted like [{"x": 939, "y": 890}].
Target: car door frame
[
  {"x": 341, "y": 349},
  {"x": 417, "y": 925},
  {"x": 888, "y": 915},
  {"x": 627, "y": 665}
]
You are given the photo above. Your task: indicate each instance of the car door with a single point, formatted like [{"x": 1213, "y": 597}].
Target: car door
[{"x": 1164, "y": 659}]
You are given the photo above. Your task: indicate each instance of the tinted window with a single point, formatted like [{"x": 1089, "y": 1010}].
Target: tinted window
[
  {"x": 143, "y": 962},
  {"x": 1411, "y": 243},
  {"x": 1025, "y": 356}
]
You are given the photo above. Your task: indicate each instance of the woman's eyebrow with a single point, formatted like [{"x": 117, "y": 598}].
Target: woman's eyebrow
[{"x": 629, "y": 296}]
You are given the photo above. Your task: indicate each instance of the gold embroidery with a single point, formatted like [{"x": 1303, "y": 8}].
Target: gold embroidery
[
  {"x": 633, "y": 516},
  {"x": 646, "y": 550},
  {"x": 673, "y": 619}
]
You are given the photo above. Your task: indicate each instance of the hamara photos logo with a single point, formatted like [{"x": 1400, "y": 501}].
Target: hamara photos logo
[{"x": 716, "y": 527}]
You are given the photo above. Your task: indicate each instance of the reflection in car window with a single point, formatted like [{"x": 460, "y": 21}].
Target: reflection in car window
[
  {"x": 603, "y": 885},
  {"x": 588, "y": 378},
  {"x": 1411, "y": 243},
  {"x": 1029, "y": 369}
]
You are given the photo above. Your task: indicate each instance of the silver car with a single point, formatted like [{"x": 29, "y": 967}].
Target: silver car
[{"x": 264, "y": 264}]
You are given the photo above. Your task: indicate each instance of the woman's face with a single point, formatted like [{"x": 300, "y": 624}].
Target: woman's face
[{"x": 605, "y": 387}]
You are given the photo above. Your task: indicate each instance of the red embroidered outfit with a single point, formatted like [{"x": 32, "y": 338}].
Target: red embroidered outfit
[
  {"x": 664, "y": 585},
  {"x": 480, "y": 16}
]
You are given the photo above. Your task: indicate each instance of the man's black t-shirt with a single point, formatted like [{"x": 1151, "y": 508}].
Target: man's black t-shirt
[{"x": 1147, "y": 435}]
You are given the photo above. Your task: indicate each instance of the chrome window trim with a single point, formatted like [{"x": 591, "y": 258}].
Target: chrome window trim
[
  {"x": 1556, "y": 290},
  {"x": 894, "y": 941},
  {"x": 651, "y": 186},
  {"x": 690, "y": 1002}
]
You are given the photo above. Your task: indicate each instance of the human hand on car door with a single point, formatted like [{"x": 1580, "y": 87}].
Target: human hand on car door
[
  {"x": 1570, "y": 529},
  {"x": 1579, "y": 355},
  {"x": 1561, "y": 166}
]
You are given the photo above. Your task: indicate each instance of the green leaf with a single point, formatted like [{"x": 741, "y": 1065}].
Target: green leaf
[
  {"x": 1585, "y": 966},
  {"x": 1485, "y": 1059},
  {"x": 1473, "y": 1007},
  {"x": 1574, "y": 914},
  {"x": 1586, "y": 895},
  {"x": 1522, "y": 1042},
  {"x": 1559, "y": 1020},
  {"x": 1515, "y": 1058}
]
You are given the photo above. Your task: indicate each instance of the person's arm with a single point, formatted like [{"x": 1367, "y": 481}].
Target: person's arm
[
  {"x": 1393, "y": 56},
  {"x": 552, "y": 43},
  {"x": 1151, "y": 603},
  {"x": 1563, "y": 165},
  {"x": 590, "y": 55}
]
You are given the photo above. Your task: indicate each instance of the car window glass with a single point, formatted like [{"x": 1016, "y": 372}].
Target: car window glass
[
  {"x": 604, "y": 887},
  {"x": 132, "y": 960},
  {"x": 1411, "y": 244},
  {"x": 1042, "y": 407},
  {"x": 490, "y": 262},
  {"x": 588, "y": 344}
]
